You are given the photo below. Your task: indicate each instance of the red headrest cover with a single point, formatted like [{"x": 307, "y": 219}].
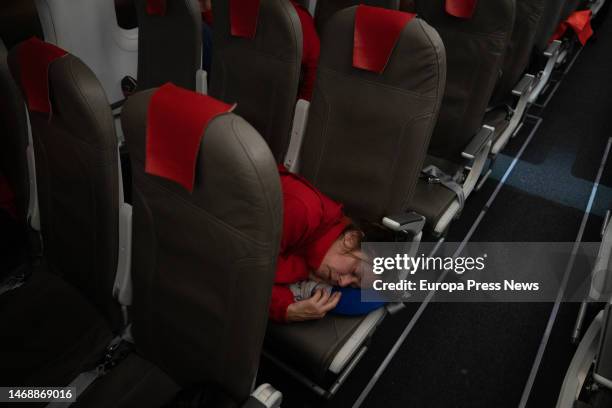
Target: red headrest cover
[
  {"x": 156, "y": 7},
  {"x": 176, "y": 121},
  {"x": 34, "y": 58},
  {"x": 376, "y": 33},
  {"x": 461, "y": 8},
  {"x": 243, "y": 17}
]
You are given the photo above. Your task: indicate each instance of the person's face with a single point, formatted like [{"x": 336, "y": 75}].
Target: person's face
[{"x": 340, "y": 268}]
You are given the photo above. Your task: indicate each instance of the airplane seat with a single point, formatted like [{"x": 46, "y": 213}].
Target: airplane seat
[
  {"x": 475, "y": 43},
  {"x": 514, "y": 82},
  {"x": 63, "y": 316},
  {"x": 206, "y": 238},
  {"x": 76, "y": 169},
  {"x": 169, "y": 43},
  {"x": 326, "y": 8},
  {"x": 257, "y": 56},
  {"x": 592, "y": 360},
  {"x": 13, "y": 151},
  {"x": 89, "y": 30},
  {"x": 369, "y": 125}
]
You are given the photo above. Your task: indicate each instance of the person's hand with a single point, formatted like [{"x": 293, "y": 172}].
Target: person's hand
[{"x": 313, "y": 308}]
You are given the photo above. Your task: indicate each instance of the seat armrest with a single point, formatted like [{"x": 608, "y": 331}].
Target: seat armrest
[
  {"x": 300, "y": 118},
  {"x": 265, "y": 396},
  {"x": 410, "y": 222},
  {"x": 202, "y": 82},
  {"x": 552, "y": 49},
  {"x": 478, "y": 143},
  {"x": 524, "y": 85}
]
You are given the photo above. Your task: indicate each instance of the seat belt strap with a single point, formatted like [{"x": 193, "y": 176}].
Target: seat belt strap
[
  {"x": 115, "y": 352},
  {"x": 434, "y": 175}
]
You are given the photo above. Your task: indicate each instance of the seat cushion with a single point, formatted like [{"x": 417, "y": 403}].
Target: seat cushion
[
  {"x": 48, "y": 333},
  {"x": 134, "y": 382},
  {"x": 311, "y": 346}
]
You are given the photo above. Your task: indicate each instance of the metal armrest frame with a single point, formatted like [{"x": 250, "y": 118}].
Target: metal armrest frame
[
  {"x": 552, "y": 53},
  {"x": 265, "y": 396},
  {"x": 522, "y": 90},
  {"x": 478, "y": 151},
  {"x": 300, "y": 119}
]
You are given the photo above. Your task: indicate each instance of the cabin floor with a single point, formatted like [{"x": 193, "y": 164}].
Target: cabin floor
[{"x": 543, "y": 189}]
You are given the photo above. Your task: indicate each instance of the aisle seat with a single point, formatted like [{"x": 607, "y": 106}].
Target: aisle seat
[
  {"x": 365, "y": 139},
  {"x": 475, "y": 45}
]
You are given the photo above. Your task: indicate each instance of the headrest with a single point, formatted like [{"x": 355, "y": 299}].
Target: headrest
[
  {"x": 176, "y": 121},
  {"x": 580, "y": 22},
  {"x": 34, "y": 58},
  {"x": 156, "y": 7},
  {"x": 243, "y": 17},
  {"x": 376, "y": 33},
  {"x": 461, "y": 8}
]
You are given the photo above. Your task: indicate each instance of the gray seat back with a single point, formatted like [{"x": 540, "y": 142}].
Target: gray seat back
[
  {"x": 169, "y": 44},
  {"x": 203, "y": 263},
  {"x": 78, "y": 179},
  {"x": 326, "y": 8},
  {"x": 475, "y": 50},
  {"x": 551, "y": 17},
  {"x": 520, "y": 48},
  {"x": 261, "y": 74},
  {"x": 569, "y": 7},
  {"x": 14, "y": 142},
  {"x": 367, "y": 133}
]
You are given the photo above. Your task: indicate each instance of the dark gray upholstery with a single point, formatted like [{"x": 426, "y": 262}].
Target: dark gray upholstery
[
  {"x": 475, "y": 50},
  {"x": 203, "y": 264},
  {"x": 326, "y": 8},
  {"x": 311, "y": 345},
  {"x": 520, "y": 48},
  {"x": 78, "y": 181},
  {"x": 169, "y": 46},
  {"x": 551, "y": 17},
  {"x": 13, "y": 143},
  {"x": 49, "y": 333},
  {"x": 569, "y": 7},
  {"x": 260, "y": 74},
  {"x": 367, "y": 133}
]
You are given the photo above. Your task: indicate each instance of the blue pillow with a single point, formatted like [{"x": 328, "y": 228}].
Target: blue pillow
[{"x": 350, "y": 303}]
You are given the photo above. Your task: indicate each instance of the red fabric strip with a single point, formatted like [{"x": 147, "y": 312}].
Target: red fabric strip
[
  {"x": 376, "y": 33},
  {"x": 461, "y": 8},
  {"x": 580, "y": 23},
  {"x": 243, "y": 17},
  {"x": 156, "y": 7},
  {"x": 176, "y": 121},
  {"x": 34, "y": 58}
]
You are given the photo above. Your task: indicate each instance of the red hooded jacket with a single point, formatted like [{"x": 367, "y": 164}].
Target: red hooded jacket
[{"x": 311, "y": 224}]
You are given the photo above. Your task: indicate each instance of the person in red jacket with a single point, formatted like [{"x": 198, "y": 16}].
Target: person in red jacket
[
  {"x": 318, "y": 243},
  {"x": 311, "y": 48}
]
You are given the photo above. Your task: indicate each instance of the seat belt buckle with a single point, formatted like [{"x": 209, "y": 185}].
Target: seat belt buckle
[{"x": 429, "y": 179}]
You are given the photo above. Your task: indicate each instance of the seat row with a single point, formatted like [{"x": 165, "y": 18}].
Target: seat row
[{"x": 409, "y": 111}]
